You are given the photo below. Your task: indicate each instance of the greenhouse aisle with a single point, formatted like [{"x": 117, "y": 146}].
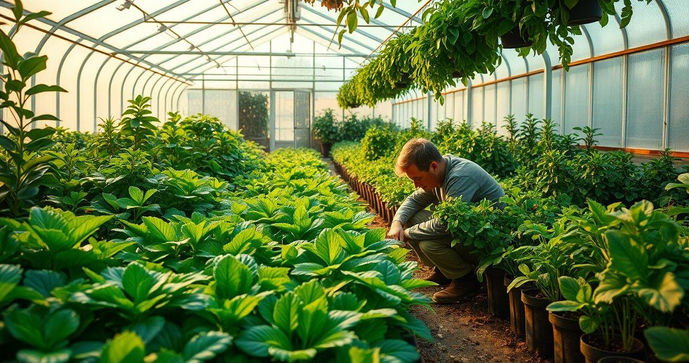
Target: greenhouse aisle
[{"x": 471, "y": 335}]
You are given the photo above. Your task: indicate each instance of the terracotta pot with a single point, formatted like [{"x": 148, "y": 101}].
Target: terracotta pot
[
  {"x": 498, "y": 300},
  {"x": 619, "y": 360},
  {"x": 584, "y": 12},
  {"x": 325, "y": 149},
  {"x": 517, "y": 320},
  {"x": 566, "y": 334},
  {"x": 515, "y": 39},
  {"x": 594, "y": 354},
  {"x": 539, "y": 331}
]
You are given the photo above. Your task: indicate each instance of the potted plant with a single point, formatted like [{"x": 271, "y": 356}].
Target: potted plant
[
  {"x": 639, "y": 283},
  {"x": 325, "y": 129}
]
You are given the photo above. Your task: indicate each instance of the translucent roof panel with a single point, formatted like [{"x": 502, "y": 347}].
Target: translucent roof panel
[
  {"x": 647, "y": 24},
  {"x": 678, "y": 12},
  {"x": 606, "y": 39}
]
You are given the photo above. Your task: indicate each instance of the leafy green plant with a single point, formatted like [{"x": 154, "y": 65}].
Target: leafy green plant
[
  {"x": 325, "y": 127},
  {"x": 670, "y": 345},
  {"x": 589, "y": 136},
  {"x": 23, "y": 167},
  {"x": 137, "y": 122}
]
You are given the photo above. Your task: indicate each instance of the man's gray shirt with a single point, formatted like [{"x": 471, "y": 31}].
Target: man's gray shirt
[{"x": 463, "y": 179}]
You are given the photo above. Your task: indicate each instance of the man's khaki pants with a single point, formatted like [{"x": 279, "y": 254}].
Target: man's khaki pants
[{"x": 453, "y": 262}]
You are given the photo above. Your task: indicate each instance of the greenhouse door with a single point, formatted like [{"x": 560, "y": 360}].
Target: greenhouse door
[{"x": 290, "y": 113}]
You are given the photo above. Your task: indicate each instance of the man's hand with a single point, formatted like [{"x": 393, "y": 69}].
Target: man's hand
[{"x": 397, "y": 231}]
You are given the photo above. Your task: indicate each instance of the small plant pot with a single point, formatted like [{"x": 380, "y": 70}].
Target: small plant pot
[
  {"x": 498, "y": 300},
  {"x": 517, "y": 320},
  {"x": 619, "y": 360},
  {"x": 538, "y": 330},
  {"x": 566, "y": 335},
  {"x": 585, "y": 12},
  {"x": 594, "y": 354},
  {"x": 325, "y": 149},
  {"x": 514, "y": 39}
]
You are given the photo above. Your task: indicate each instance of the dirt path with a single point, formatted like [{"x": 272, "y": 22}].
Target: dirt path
[{"x": 464, "y": 332}]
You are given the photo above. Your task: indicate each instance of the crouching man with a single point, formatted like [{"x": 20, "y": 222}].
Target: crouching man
[{"x": 436, "y": 178}]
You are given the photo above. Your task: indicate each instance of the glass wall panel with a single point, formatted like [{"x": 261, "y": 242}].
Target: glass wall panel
[
  {"x": 678, "y": 10},
  {"x": 576, "y": 98},
  {"x": 607, "y": 101},
  {"x": 678, "y": 127},
  {"x": 476, "y": 107},
  {"x": 503, "y": 105},
  {"x": 459, "y": 107},
  {"x": 647, "y": 25},
  {"x": 536, "y": 95},
  {"x": 519, "y": 99},
  {"x": 556, "y": 99},
  {"x": 489, "y": 104},
  {"x": 645, "y": 100},
  {"x": 194, "y": 101},
  {"x": 284, "y": 119},
  {"x": 223, "y": 105},
  {"x": 606, "y": 39}
]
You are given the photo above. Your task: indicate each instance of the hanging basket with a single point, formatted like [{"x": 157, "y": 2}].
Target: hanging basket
[
  {"x": 514, "y": 39},
  {"x": 585, "y": 12}
]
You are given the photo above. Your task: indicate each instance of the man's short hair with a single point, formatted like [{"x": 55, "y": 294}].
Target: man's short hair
[{"x": 419, "y": 152}]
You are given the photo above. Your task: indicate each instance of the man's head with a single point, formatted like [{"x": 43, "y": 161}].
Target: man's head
[{"x": 421, "y": 162}]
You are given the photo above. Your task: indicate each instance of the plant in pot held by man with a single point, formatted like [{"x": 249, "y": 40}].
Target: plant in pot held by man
[{"x": 325, "y": 129}]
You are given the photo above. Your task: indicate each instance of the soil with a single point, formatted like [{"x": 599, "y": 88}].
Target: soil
[
  {"x": 465, "y": 332},
  {"x": 599, "y": 342}
]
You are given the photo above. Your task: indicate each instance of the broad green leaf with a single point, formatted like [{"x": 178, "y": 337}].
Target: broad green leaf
[
  {"x": 670, "y": 345},
  {"x": 159, "y": 229},
  {"x": 626, "y": 256},
  {"x": 232, "y": 278},
  {"x": 136, "y": 194},
  {"x": 10, "y": 275},
  {"x": 148, "y": 329},
  {"x": 664, "y": 294},
  {"x": 44, "y": 281},
  {"x": 257, "y": 340},
  {"x": 31, "y": 66},
  {"x": 40, "y": 88},
  {"x": 363, "y": 355},
  {"x": 329, "y": 247},
  {"x": 588, "y": 325},
  {"x": 58, "y": 326},
  {"x": 569, "y": 287},
  {"x": 312, "y": 321},
  {"x": 125, "y": 347},
  {"x": 395, "y": 350},
  {"x": 36, "y": 356},
  {"x": 286, "y": 313},
  {"x": 26, "y": 327},
  {"x": 206, "y": 346},
  {"x": 310, "y": 291},
  {"x": 137, "y": 282},
  {"x": 567, "y": 305}
]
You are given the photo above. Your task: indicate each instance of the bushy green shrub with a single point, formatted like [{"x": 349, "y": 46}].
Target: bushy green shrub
[
  {"x": 378, "y": 142},
  {"x": 325, "y": 127}
]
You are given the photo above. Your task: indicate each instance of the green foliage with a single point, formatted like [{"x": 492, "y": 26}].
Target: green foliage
[
  {"x": 137, "y": 121},
  {"x": 325, "y": 127},
  {"x": 378, "y": 142},
  {"x": 253, "y": 116},
  {"x": 669, "y": 345},
  {"x": 24, "y": 169}
]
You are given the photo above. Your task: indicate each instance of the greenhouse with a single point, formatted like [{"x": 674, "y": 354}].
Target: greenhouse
[{"x": 344, "y": 181}]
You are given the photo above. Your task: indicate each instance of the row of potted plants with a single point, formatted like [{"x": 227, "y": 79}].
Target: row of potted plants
[
  {"x": 368, "y": 193},
  {"x": 328, "y": 129},
  {"x": 546, "y": 248},
  {"x": 460, "y": 39}
]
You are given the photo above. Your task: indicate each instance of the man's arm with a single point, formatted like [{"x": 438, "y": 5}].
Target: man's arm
[
  {"x": 463, "y": 188},
  {"x": 417, "y": 201}
]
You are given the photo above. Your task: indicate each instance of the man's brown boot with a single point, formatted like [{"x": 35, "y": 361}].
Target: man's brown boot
[
  {"x": 459, "y": 289},
  {"x": 438, "y": 277}
]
